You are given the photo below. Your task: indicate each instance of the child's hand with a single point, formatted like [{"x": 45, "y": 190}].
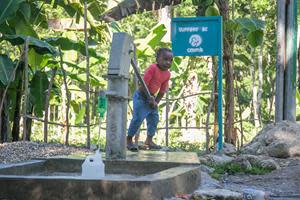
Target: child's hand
[{"x": 152, "y": 102}]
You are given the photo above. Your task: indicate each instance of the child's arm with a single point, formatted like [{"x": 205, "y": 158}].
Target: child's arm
[
  {"x": 162, "y": 91},
  {"x": 153, "y": 103}
]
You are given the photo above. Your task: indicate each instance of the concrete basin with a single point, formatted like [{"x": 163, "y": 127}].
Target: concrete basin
[{"x": 147, "y": 175}]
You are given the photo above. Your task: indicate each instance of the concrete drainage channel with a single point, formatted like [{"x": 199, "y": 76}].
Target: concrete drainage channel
[{"x": 138, "y": 177}]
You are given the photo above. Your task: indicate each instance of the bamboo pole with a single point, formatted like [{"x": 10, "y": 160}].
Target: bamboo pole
[
  {"x": 25, "y": 89},
  {"x": 87, "y": 86},
  {"x": 167, "y": 118},
  {"x": 211, "y": 104},
  {"x": 240, "y": 113},
  {"x": 47, "y": 105},
  {"x": 67, "y": 126}
]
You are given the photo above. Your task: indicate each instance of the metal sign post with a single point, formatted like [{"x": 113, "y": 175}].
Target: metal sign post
[{"x": 201, "y": 36}]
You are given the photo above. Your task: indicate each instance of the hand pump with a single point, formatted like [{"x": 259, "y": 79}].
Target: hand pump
[{"x": 136, "y": 71}]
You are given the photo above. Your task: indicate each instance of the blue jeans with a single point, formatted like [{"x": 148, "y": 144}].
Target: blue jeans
[{"x": 142, "y": 110}]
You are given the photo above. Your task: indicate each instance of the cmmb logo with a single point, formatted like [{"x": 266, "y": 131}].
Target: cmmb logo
[{"x": 195, "y": 40}]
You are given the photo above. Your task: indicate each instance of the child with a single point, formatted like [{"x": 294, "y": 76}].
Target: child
[{"x": 156, "y": 78}]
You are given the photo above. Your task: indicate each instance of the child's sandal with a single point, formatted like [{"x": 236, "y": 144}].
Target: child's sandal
[{"x": 132, "y": 147}]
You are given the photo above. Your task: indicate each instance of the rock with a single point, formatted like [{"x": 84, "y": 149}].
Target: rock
[
  {"x": 278, "y": 140},
  {"x": 203, "y": 159},
  {"x": 164, "y": 148},
  {"x": 254, "y": 160},
  {"x": 294, "y": 151},
  {"x": 278, "y": 149},
  {"x": 243, "y": 162},
  {"x": 228, "y": 149},
  {"x": 254, "y": 148},
  {"x": 219, "y": 159},
  {"x": 217, "y": 194},
  {"x": 208, "y": 182},
  {"x": 248, "y": 161},
  {"x": 207, "y": 169},
  {"x": 269, "y": 164}
]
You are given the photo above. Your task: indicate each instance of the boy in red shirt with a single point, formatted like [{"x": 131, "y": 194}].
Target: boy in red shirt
[{"x": 156, "y": 77}]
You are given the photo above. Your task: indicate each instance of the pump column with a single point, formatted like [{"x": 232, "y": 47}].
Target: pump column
[{"x": 117, "y": 96}]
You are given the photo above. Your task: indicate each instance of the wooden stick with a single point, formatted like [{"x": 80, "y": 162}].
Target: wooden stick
[{"x": 25, "y": 89}]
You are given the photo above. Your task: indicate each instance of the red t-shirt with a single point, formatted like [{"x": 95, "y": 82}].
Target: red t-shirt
[{"x": 156, "y": 79}]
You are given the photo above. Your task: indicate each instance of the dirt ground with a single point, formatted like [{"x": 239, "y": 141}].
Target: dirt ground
[{"x": 283, "y": 184}]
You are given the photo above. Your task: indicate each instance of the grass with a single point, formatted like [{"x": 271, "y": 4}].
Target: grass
[{"x": 233, "y": 168}]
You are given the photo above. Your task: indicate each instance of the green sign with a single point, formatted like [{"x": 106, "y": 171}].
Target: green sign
[
  {"x": 197, "y": 36},
  {"x": 201, "y": 36}
]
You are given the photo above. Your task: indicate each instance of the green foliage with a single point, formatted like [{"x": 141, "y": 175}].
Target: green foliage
[
  {"x": 212, "y": 10},
  {"x": 80, "y": 115},
  {"x": 39, "y": 46},
  {"x": 68, "y": 44},
  {"x": 186, "y": 8},
  {"x": 147, "y": 46},
  {"x": 233, "y": 168},
  {"x": 243, "y": 58},
  {"x": 38, "y": 86},
  {"x": 8, "y": 9},
  {"x": 250, "y": 28},
  {"x": 6, "y": 69},
  {"x": 202, "y": 2},
  {"x": 255, "y": 38}
]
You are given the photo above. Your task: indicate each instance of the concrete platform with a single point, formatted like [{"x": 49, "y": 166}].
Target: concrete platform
[{"x": 144, "y": 175}]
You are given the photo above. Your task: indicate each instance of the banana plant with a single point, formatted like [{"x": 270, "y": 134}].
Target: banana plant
[
  {"x": 6, "y": 69},
  {"x": 8, "y": 9}
]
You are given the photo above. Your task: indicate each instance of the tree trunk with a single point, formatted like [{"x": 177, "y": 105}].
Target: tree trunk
[
  {"x": 240, "y": 111},
  {"x": 260, "y": 83},
  {"x": 228, "y": 66},
  {"x": 26, "y": 91},
  {"x": 211, "y": 104},
  {"x": 201, "y": 10},
  {"x": 4, "y": 119},
  {"x": 65, "y": 105},
  {"x": 254, "y": 90},
  {"x": 216, "y": 110},
  {"x": 289, "y": 108},
  {"x": 29, "y": 124},
  {"x": 164, "y": 17},
  {"x": 280, "y": 66},
  {"x": 47, "y": 105},
  {"x": 17, "y": 112}
]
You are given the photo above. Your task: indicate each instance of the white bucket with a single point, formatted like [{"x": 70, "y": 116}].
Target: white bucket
[{"x": 93, "y": 167}]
